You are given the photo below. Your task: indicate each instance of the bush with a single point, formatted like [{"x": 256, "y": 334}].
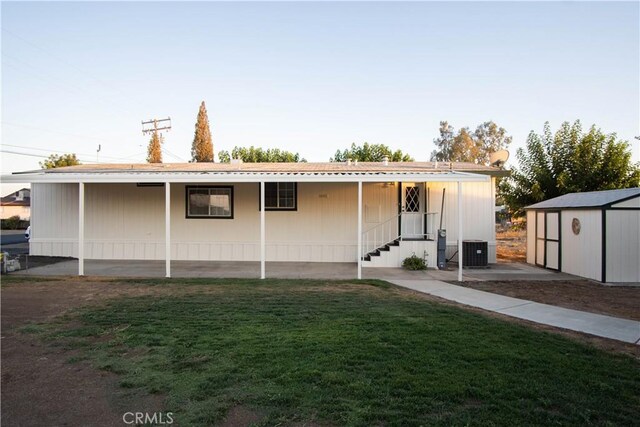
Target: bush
[
  {"x": 12, "y": 223},
  {"x": 414, "y": 263}
]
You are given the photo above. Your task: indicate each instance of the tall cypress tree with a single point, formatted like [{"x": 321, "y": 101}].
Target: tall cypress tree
[
  {"x": 202, "y": 148},
  {"x": 154, "y": 150}
]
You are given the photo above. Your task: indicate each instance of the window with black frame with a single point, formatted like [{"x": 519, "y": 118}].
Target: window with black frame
[
  {"x": 280, "y": 196},
  {"x": 209, "y": 202}
]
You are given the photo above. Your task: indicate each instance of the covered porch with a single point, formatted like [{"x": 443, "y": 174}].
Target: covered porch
[{"x": 92, "y": 193}]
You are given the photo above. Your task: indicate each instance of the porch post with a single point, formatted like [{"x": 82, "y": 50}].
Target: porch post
[
  {"x": 460, "y": 261},
  {"x": 167, "y": 228},
  {"x": 263, "y": 236},
  {"x": 81, "y": 229},
  {"x": 359, "y": 230}
]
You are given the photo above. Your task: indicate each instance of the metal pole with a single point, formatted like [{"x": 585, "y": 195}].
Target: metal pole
[
  {"x": 81, "y": 229},
  {"x": 460, "y": 261},
  {"x": 263, "y": 236},
  {"x": 359, "y": 229},
  {"x": 167, "y": 228}
]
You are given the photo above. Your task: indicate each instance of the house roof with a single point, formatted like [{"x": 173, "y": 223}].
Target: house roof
[
  {"x": 592, "y": 199},
  {"x": 230, "y": 172},
  {"x": 291, "y": 167},
  {"x": 10, "y": 199}
]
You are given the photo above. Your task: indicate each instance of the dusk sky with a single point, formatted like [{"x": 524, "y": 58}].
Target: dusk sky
[{"x": 308, "y": 77}]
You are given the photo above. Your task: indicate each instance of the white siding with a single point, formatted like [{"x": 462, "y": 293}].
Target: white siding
[
  {"x": 632, "y": 203},
  {"x": 540, "y": 221},
  {"x": 582, "y": 253},
  {"x": 54, "y": 220},
  {"x": 124, "y": 221},
  {"x": 623, "y": 245},
  {"x": 478, "y": 213},
  {"x": 531, "y": 237}
]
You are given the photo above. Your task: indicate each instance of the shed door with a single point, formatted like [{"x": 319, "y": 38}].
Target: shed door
[{"x": 548, "y": 240}]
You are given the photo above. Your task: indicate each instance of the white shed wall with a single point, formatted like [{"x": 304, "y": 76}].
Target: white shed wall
[
  {"x": 623, "y": 245},
  {"x": 631, "y": 203},
  {"x": 582, "y": 253},
  {"x": 123, "y": 221},
  {"x": 531, "y": 237}
]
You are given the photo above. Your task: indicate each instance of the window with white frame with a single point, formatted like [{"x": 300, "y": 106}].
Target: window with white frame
[
  {"x": 209, "y": 202},
  {"x": 280, "y": 196}
]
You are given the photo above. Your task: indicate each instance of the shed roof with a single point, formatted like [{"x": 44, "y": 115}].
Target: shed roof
[{"x": 591, "y": 199}]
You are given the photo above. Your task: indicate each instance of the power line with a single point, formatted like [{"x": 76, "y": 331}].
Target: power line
[
  {"x": 82, "y": 159},
  {"x": 63, "y": 152},
  {"x": 55, "y": 131}
]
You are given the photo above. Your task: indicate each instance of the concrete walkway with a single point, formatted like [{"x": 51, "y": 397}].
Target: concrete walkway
[{"x": 590, "y": 323}]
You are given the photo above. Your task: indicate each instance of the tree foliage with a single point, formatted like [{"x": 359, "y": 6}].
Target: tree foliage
[
  {"x": 468, "y": 146},
  {"x": 370, "y": 153},
  {"x": 258, "y": 155},
  {"x": 59, "y": 161},
  {"x": 154, "y": 150},
  {"x": 568, "y": 161},
  {"x": 202, "y": 147}
]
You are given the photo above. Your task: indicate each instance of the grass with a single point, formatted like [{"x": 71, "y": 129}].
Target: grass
[{"x": 341, "y": 354}]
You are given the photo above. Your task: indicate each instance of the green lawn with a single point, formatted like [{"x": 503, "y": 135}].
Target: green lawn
[{"x": 338, "y": 354}]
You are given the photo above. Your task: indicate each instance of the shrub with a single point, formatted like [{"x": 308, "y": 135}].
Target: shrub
[
  {"x": 12, "y": 223},
  {"x": 414, "y": 263}
]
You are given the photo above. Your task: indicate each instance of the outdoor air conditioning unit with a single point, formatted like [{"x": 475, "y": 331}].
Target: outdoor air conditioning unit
[{"x": 475, "y": 253}]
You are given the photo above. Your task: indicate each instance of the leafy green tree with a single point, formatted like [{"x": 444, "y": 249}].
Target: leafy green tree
[
  {"x": 258, "y": 155},
  {"x": 202, "y": 147},
  {"x": 154, "y": 150},
  {"x": 568, "y": 161},
  {"x": 370, "y": 153},
  {"x": 59, "y": 161},
  {"x": 468, "y": 146}
]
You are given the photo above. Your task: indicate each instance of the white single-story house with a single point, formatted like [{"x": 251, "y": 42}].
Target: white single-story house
[
  {"x": 17, "y": 203},
  {"x": 594, "y": 235},
  {"x": 372, "y": 214}
]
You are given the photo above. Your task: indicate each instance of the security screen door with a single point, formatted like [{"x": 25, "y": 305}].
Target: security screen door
[{"x": 412, "y": 211}]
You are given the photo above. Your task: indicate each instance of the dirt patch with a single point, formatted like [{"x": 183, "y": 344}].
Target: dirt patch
[
  {"x": 39, "y": 385},
  {"x": 511, "y": 245},
  {"x": 618, "y": 301}
]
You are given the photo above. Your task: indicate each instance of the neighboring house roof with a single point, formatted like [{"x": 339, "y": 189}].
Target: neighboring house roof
[
  {"x": 591, "y": 199},
  {"x": 12, "y": 199},
  {"x": 252, "y": 172}
]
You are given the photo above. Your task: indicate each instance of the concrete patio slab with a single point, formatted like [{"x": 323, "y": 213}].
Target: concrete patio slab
[
  {"x": 590, "y": 323},
  {"x": 286, "y": 270}
]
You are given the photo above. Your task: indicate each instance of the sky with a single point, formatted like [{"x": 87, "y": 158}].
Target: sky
[{"x": 310, "y": 77}]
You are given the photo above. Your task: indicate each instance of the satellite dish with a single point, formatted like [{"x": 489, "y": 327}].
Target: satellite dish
[{"x": 499, "y": 158}]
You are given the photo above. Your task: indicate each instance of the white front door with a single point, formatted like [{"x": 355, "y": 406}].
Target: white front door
[{"x": 412, "y": 210}]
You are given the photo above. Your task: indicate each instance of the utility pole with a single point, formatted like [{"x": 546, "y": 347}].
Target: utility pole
[
  {"x": 164, "y": 126},
  {"x": 151, "y": 126}
]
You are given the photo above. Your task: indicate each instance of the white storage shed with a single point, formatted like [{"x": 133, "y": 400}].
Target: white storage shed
[{"x": 594, "y": 235}]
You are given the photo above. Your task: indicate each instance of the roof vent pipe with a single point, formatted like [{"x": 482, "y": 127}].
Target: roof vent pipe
[
  {"x": 236, "y": 161},
  {"x": 385, "y": 160},
  {"x": 348, "y": 162}
]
